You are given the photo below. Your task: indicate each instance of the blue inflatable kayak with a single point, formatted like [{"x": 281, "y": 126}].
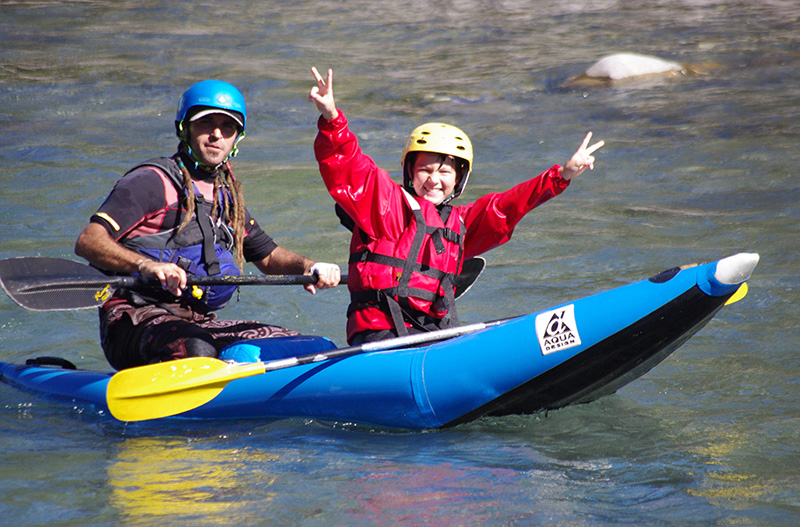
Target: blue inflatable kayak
[{"x": 569, "y": 354}]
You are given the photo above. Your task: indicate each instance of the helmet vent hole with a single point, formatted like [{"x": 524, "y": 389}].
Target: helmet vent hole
[{"x": 422, "y": 142}]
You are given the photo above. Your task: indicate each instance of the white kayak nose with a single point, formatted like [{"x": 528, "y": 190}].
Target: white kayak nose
[{"x": 736, "y": 269}]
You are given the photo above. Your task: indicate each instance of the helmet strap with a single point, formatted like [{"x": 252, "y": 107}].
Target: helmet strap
[{"x": 408, "y": 176}]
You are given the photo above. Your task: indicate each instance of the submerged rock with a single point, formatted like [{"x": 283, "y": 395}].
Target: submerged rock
[
  {"x": 629, "y": 66},
  {"x": 626, "y": 65}
]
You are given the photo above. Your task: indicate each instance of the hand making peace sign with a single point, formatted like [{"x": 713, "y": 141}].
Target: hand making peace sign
[
  {"x": 582, "y": 159},
  {"x": 322, "y": 95}
]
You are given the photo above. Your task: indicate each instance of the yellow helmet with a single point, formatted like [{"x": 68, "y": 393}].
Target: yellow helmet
[{"x": 439, "y": 138}]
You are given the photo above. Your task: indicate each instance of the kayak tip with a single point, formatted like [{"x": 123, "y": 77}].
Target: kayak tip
[{"x": 736, "y": 269}]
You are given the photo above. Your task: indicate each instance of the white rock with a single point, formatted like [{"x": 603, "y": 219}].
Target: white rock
[{"x": 626, "y": 65}]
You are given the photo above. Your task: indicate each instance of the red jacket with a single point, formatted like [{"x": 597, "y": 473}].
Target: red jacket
[{"x": 382, "y": 213}]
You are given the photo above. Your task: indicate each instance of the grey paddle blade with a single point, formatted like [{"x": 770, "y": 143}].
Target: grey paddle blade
[{"x": 46, "y": 284}]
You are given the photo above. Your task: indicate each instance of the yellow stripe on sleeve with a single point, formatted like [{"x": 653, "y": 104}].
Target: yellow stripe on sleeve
[{"x": 109, "y": 219}]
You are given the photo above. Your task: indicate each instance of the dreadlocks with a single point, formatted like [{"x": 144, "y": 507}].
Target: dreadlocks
[{"x": 232, "y": 209}]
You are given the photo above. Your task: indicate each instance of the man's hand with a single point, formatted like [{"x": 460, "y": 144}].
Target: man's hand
[
  {"x": 328, "y": 275},
  {"x": 172, "y": 277}
]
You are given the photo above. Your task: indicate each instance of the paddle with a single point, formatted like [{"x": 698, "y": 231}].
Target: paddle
[
  {"x": 50, "y": 284},
  {"x": 470, "y": 272},
  {"x": 42, "y": 283},
  {"x": 170, "y": 388}
]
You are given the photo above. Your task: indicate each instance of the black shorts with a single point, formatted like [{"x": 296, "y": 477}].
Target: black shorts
[{"x": 134, "y": 336}]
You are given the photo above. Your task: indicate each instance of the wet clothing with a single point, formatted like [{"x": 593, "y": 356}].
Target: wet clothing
[
  {"x": 385, "y": 223},
  {"x": 413, "y": 276},
  {"x": 143, "y": 213}
]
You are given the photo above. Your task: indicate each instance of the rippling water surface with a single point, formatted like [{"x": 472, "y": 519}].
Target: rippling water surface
[{"x": 695, "y": 168}]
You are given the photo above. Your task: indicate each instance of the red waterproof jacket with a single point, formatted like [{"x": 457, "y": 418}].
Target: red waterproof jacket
[{"x": 386, "y": 225}]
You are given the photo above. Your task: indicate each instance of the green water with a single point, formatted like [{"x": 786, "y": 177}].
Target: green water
[{"x": 694, "y": 169}]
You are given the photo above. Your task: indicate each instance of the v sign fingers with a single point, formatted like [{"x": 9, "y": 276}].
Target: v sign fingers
[
  {"x": 582, "y": 159},
  {"x": 592, "y": 149},
  {"x": 322, "y": 95}
]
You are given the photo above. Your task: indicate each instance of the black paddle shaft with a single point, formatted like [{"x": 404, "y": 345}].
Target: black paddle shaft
[
  {"x": 50, "y": 284},
  {"x": 43, "y": 283}
]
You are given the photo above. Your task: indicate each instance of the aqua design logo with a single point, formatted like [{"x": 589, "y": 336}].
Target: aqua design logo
[{"x": 557, "y": 330}]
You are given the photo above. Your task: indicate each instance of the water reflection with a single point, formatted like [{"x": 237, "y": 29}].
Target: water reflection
[
  {"x": 392, "y": 494},
  {"x": 725, "y": 481},
  {"x": 154, "y": 479}
]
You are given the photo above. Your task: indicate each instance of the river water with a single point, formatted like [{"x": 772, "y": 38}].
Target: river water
[{"x": 695, "y": 168}]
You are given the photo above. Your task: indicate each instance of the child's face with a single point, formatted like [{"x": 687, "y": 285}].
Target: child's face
[{"x": 434, "y": 176}]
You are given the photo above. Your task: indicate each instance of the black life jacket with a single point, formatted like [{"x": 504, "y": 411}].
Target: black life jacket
[{"x": 203, "y": 247}]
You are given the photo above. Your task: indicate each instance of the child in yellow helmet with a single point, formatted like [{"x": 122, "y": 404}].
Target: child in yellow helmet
[{"x": 408, "y": 242}]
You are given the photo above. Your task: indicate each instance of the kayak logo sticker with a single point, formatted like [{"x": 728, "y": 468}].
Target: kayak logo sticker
[{"x": 557, "y": 329}]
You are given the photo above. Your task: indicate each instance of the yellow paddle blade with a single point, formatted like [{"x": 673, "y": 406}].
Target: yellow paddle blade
[
  {"x": 171, "y": 388},
  {"x": 738, "y": 295}
]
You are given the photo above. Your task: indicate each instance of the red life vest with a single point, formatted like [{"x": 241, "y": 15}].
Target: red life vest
[{"x": 408, "y": 281}]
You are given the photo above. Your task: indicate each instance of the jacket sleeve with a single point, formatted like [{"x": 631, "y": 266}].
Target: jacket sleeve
[
  {"x": 257, "y": 243},
  {"x": 135, "y": 197},
  {"x": 365, "y": 192},
  {"x": 491, "y": 220}
]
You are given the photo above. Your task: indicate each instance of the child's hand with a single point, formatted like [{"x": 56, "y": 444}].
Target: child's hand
[
  {"x": 582, "y": 159},
  {"x": 322, "y": 95}
]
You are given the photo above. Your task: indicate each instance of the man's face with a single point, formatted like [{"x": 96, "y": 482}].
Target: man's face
[{"x": 212, "y": 137}]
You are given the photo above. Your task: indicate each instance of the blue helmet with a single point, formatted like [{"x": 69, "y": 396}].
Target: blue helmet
[
  {"x": 214, "y": 95},
  {"x": 206, "y": 97}
]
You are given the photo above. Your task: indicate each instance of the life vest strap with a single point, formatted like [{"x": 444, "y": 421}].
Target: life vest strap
[
  {"x": 385, "y": 301},
  {"x": 206, "y": 228},
  {"x": 395, "y": 301}
]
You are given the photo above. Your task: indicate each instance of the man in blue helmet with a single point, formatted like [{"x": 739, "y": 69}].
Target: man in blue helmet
[{"x": 170, "y": 216}]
